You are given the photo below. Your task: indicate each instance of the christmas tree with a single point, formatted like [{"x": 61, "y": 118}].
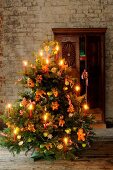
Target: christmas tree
[{"x": 49, "y": 118}]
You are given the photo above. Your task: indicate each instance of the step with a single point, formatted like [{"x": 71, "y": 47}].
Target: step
[{"x": 102, "y": 146}]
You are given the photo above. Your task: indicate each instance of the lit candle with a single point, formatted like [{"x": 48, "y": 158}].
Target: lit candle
[
  {"x": 25, "y": 63},
  {"x": 61, "y": 63},
  {"x": 16, "y": 130},
  {"x": 45, "y": 119},
  {"x": 47, "y": 61},
  {"x": 41, "y": 53},
  {"x": 9, "y": 109},
  {"x": 86, "y": 107},
  {"x": 77, "y": 89},
  {"x": 57, "y": 48},
  {"x": 66, "y": 140},
  {"x": 31, "y": 110},
  {"x": 57, "y": 52}
]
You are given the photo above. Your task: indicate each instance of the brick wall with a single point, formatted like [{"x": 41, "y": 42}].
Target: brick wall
[
  {"x": 27, "y": 23},
  {"x": 2, "y": 77}
]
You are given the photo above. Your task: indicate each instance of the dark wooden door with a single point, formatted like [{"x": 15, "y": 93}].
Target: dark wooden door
[
  {"x": 94, "y": 70},
  {"x": 93, "y": 51},
  {"x": 70, "y": 51}
]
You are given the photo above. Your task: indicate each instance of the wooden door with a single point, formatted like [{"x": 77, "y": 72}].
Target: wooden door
[
  {"x": 70, "y": 51},
  {"x": 93, "y": 53}
]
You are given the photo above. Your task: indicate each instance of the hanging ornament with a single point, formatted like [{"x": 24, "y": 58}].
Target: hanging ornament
[
  {"x": 61, "y": 121},
  {"x": 85, "y": 76},
  {"x": 81, "y": 135},
  {"x": 24, "y": 102},
  {"x": 55, "y": 92},
  {"x": 45, "y": 69},
  {"x": 60, "y": 146},
  {"x": 39, "y": 78},
  {"x": 20, "y": 143},
  {"x": 68, "y": 131},
  {"x": 30, "y": 83},
  {"x": 55, "y": 105},
  {"x": 48, "y": 146},
  {"x": 71, "y": 108}
]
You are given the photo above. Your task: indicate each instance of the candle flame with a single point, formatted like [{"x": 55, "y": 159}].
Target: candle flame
[
  {"x": 16, "y": 130},
  {"x": 41, "y": 53},
  {"x": 45, "y": 117},
  {"x": 31, "y": 107},
  {"x": 9, "y": 106},
  {"x": 77, "y": 88},
  {"x": 86, "y": 107},
  {"x": 61, "y": 62},
  {"x": 47, "y": 61},
  {"x": 65, "y": 140},
  {"x": 57, "y": 48},
  {"x": 25, "y": 63}
]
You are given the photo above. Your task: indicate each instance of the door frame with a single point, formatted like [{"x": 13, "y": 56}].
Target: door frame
[{"x": 89, "y": 31}]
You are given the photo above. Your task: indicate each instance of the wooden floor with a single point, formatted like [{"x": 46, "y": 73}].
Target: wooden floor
[
  {"x": 21, "y": 162},
  {"x": 100, "y": 157}
]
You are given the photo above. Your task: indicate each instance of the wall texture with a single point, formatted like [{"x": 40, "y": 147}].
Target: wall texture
[{"x": 26, "y": 24}]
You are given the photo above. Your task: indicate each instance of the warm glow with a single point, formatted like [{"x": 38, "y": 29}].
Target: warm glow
[
  {"x": 25, "y": 63},
  {"x": 30, "y": 107},
  {"x": 16, "y": 130},
  {"x": 61, "y": 62},
  {"x": 85, "y": 106},
  {"x": 65, "y": 140},
  {"x": 57, "y": 48},
  {"x": 47, "y": 61},
  {"x": 77, "y": 88},
  {"x": 41, "y": 53},
  {"x": 45, "y": 117},
  {"x": 9, "y": 106}
]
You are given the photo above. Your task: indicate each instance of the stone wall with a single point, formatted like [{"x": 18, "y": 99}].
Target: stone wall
[
  {"x": 2, "y": 77},
  {"x": 27, "y": 23}
]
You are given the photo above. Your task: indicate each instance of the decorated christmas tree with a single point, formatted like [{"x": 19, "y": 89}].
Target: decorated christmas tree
[{"x": 49, "y": 118}]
